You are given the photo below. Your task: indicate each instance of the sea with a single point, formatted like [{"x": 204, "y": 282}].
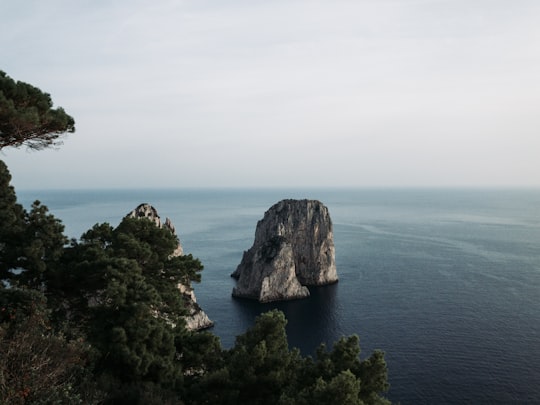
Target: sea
[{"x": 445, "y": 281}]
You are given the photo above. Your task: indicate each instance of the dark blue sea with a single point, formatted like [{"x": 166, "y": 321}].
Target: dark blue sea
[{"x": 445, "y": 281}]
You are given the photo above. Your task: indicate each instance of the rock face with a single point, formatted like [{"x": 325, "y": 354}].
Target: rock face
[
  {"x": 293, "y": 248},
  {"x": 149, "y": 212},
  {"x": 197, "y": 318}
]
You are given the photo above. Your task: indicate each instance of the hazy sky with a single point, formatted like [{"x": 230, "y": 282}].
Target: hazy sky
[{"x": 281, "y": 93}]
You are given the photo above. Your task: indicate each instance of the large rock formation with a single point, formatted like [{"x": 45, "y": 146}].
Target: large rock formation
[
  {"x": 293, "y": 248},
  {"x": 196, "y": 318}
]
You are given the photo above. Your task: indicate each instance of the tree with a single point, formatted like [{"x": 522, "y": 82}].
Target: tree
[
  {"x": 261, "y": 369},
  {"x": 43, "y": 246},
  {"x": 261, "y": 364},
  {"x": 257, "y": 370},
  {"x": 344, "y": 388},
  {"x": 38, "y": 365},
  {"x": 119, "y": 288},
  {"x": 27, "y": 117},
  {"x": 332, "y": 370},
  {"x": 30, "y": 242},
  {"x": 108, "y": 296},
  {"x": 134, "y": 344},
  {"x": 12, "y": 225},
  {"x": 152, "y": 248}
]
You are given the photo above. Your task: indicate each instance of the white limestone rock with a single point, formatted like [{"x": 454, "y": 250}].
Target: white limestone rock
[
  {"x": 293, "y": 248},
  {"x": 272, "y": 276},
  {"x": 149, "y": 212},
  {"x": 196, "y": 318}
]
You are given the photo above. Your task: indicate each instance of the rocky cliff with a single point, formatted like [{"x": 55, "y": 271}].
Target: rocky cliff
[
  {"x": 197, "y": 318},
  {"x": 293, "y": 248}
]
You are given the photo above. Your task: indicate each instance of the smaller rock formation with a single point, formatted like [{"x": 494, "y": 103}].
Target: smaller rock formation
[
  {"x": 293, "y": 247},
  {"x": 149, "y": 212},
  {"x": 196, "y": 319}
]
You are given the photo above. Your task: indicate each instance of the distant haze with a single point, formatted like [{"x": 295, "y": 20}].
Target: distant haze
[{"x": 203, "y": 93}]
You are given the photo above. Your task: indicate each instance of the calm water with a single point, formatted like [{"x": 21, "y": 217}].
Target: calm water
[{"x": 446, "y": 282}]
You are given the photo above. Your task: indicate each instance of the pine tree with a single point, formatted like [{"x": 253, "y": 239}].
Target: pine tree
[
  {"x": 43, "y": 245},
  {"x": 261, "y": 369},
  {"x": 30, "y": 242},
  {"x": 12, "y": 226},
  {"x": 37, "y": 364},
  {"x": 119, "y": 287},
  {"x": 27, "y": 117},
  {"x": 261, "y": 364}
]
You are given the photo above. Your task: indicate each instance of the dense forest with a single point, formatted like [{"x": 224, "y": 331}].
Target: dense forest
[{"x": 99, "y": 320}]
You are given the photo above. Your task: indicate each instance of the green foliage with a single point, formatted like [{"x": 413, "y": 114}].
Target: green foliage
[
  {"x": 261, "y": 363},
  {"x": 138, "y": 393},
  {"x": 152, "y": 248},
  {"x": 38, "y": 365},
  {"x": 30, "y": 242},
  {"x": 119, "y": 288},
  {"x": 374, "y": 376},
  {"x": 261, "y": 369},
  {"x": 340, "y": 374},
  {"x": 44, "y": 243},
  {"x": 256, "y": 370},
  {"x": 344, "y": 388},
  {"x": 201, "y": 353},
  {"x": 105, "y": 281},
  {"x": 12, "y": 225},
  {"x": 27, "y": 117},
  {"x": 134, "y": 344}
]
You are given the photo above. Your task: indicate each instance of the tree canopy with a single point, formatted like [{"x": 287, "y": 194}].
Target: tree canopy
[
  {"x": 27, "y": 116},
  {"x": 30, "y": 242},
  {"x": 261, "y": 369}
]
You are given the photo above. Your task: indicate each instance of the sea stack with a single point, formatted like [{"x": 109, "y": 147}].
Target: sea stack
[
  {"x": 196, "y": 318},
  {"x": 293, "y": 248}
]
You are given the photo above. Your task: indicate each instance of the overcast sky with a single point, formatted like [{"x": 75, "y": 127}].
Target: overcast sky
[{"x": 281, "y": 93}]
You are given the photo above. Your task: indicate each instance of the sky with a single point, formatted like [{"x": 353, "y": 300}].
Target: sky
[{"x": 284, "y": 93}]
